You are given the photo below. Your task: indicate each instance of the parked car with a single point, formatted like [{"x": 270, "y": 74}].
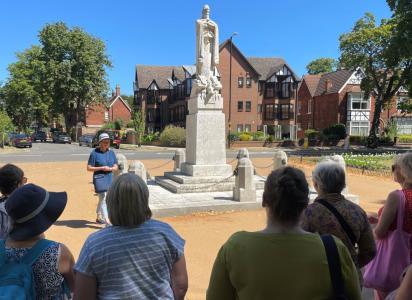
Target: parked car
[
  {"x": 39, "y": 136},
  {"x": 21, "y": 140},
  {"x": 62, "y": 138},
  {"x": 114, "y": 138},
  {"x": 86, "y": 139}
]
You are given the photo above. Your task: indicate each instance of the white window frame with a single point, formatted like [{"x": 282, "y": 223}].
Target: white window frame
[
  {"x": 361, "y": 128},
  {"x": 106, "y": 115},
  {"x": 359, "y": 98},
  {"x": 248, "y": 128},
  {"x": 239, "y": 128}
]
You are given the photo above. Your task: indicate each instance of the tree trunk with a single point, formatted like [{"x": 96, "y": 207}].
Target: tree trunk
[{"x": 373, "y": 139}]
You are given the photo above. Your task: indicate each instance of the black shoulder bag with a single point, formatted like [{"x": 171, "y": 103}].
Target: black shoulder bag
[
  {"x": 341, "y": 221},
  {"x": 335, "y": 270}
]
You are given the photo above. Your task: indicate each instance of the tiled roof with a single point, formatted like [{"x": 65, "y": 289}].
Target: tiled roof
[
  {"x": 312, "y": 82},
  {"x": 337, "y": 78},
  {"x": 266, "y": 66},
  {"x": 146, "y": 74}
]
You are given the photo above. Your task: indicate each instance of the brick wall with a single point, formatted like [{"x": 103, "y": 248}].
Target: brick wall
[
  {"x": 119, "y": 111},
  {"x": 239, "y": 69},
  {"x": 304, "y": 118},
  {"x": 95, "y": 114}
]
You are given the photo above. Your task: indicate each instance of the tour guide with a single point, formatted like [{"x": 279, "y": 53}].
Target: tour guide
[{"x": 102, "y": 161}]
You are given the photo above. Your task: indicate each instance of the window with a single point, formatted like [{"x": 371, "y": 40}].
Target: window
[
  {"x": 270, "y": 89},
  {"x": 240, "y": 82},
  {"x": 358, "y": 102},
  {"x": 310, "y": 106},
  {"x": 400, "y": 100},
  {"x": 248, "y": 81},
  {"x": 248, "y": 128},
  {"x": 284, "y": 90},
  {"x": 271, "y": 111},
  {"x": 299, "y": 107},
  {"x": 259, "y": 108},
  {"x": 240, "y": 106},
  {"x": 359, "y": 128},
  {"x": 239, "y": 127},
  {"x": 248, "y": 106},
  {"x": 106, "y": 116},
  {"x": 284, "y": 111}
]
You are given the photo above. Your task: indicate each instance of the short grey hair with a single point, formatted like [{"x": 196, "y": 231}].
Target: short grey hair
[
  {"x": 329, "y": 176},
  {"x": 128, "y": 201}
]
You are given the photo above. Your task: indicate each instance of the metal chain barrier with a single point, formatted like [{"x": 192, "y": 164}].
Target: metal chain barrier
[
  {"x": 265, "y": 167},
  {"x": 162, "y": 165}
]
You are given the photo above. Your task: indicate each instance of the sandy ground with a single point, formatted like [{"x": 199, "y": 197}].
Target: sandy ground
[{"x": 204, "y": 233}]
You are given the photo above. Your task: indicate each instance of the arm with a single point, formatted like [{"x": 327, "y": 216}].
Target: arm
[
  {"x": 306, "y": 219},
  {"x": 66, "y": 263},
  {"x": 179, "y": 278},
  {"x": 93, "y": 169},
  {"x": 388, "y": 215},
  {"x": 366, "y": 243},
  {"x": 86, "y": 287},
  {"x": 405, "y": 290},
  {"x": 220, "y": 286}
]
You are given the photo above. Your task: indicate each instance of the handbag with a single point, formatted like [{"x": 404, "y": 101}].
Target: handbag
[
  {"x": 392, "y": 256},
  {"x": 335, "y": 270},
  {"x": 102, "y": 181}
]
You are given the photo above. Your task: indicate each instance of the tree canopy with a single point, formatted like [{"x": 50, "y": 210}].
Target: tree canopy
[
  {"x": 321, "y": 65},
  {"x": 62, "y": 75},
  {"x": 369, "y": 46}
]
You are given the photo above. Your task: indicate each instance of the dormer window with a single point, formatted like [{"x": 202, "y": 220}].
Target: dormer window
[{"x": 248, "y": 81}]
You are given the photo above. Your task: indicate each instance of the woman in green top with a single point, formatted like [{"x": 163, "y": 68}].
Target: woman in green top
[{"x": 282, "y": 261}]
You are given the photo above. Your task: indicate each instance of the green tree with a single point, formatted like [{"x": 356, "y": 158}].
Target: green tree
[
  {"x": 368, "y": 46},
  {"x": 139, "y": 124},
  {"x": 402, "y": 40},
  {"x": 321, "y": 65},
  {"x": 25, "y": 97},
  {"x": 76, "y": 65},
  {"x": 5, "y": 126}
]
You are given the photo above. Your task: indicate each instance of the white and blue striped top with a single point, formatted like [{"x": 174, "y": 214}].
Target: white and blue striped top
[{"x": 132, "y": 263}]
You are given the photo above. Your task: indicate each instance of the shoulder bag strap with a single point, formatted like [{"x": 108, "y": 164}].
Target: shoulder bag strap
[
  {"x": 36, "y": 251},
  {"x": 335, "y": 270},
  {"x": 401, "y": 210},
  {"x": 340, "y": 219}
]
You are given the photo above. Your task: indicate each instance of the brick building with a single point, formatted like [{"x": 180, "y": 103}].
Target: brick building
[
  {"x": 258, "y": 93},
  {"x": 336, "y": 97},
  {"x": 96, "y": 115}
]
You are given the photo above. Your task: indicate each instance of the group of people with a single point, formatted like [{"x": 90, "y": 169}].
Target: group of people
[{"x": 305, "y": 251}]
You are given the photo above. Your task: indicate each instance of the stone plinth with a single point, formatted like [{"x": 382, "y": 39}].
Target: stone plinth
[{"x": 245, "y": 187}]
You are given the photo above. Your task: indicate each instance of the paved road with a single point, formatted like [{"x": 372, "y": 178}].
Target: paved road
[{"x": 49, "y": 152}]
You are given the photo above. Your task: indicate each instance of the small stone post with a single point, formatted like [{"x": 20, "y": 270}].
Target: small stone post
[
  {"x": 243, "y": 152},
  {"x": 245, "y": 186},
  {"x": 280, "y": 159},
  {"x": 179, "y": 158},
  {"x": 347, "y": 143},
  {"x": 138, "y": 168},
  {"x": 341, "y": 161},
  {"x": 122, "y": 164}
]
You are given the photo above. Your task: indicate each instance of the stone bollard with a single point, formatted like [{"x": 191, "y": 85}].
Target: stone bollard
[
  {"x": 347, "y": 143},
  {"x": 245, "y": 186},
  {"x": 179, "y": 158},
  {"x": 280, "y": 159},
  {"x": 138, "y": 168},
  {"x": 122, "y": 163},
  {"x": 243, "y": 152},
  {"x": 341, "y": 161}
]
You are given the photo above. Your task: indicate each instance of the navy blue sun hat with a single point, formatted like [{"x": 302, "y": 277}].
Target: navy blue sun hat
[{"x": 33, "y": 210}]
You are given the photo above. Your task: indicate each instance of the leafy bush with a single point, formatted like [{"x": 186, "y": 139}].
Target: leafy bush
[
  {"x": 118, "y": 124},
  {"x": 234, "y": 136},
  {"x": 173, "y": 136},
  {"x": 245, "y": 136},
  {"x": 311, "y": 133},
  {"x": 269, "y": 139},
  {"x": 109, "y": 125},
  {"x": 130, "y": 124},
  {"x": 150, "y": 137},
  {"x": 336, "y": 130},
  {"x": 405, "y": 138},
  {"x": 386, "y": 140},
  {"x": 361, "y": 140},
  {"x": 258, "y": 136}
]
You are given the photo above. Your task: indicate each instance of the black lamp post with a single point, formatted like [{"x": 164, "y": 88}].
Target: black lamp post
[{"x": 230, "y": 89}]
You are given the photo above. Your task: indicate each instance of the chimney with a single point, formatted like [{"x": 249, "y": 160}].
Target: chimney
[
  {"x": 328, "y": 85},
  {"x": 117, "y": 90}
]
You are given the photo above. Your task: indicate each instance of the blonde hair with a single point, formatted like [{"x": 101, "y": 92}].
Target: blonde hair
[
  {"x": 128, "y": 201},
  {"x": 404, "y": 162}
]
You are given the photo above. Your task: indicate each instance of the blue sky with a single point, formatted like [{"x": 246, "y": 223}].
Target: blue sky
[{"x": 163, "y": 33}]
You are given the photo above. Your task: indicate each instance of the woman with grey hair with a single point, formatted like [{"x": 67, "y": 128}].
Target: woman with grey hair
[
  {"x": 332, "y": 213},
  {"x": 137, "y": 257}
]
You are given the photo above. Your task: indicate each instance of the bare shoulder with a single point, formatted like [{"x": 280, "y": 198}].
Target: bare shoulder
[
  {"x": 65, "y": 254},
  {"x": 393, "y": 199}
]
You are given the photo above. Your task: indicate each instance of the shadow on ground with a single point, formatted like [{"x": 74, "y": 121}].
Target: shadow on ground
[{"x": 77, "y": 224}]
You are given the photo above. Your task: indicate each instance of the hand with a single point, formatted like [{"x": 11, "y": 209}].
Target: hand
[{"x": 107, "y": 169}]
